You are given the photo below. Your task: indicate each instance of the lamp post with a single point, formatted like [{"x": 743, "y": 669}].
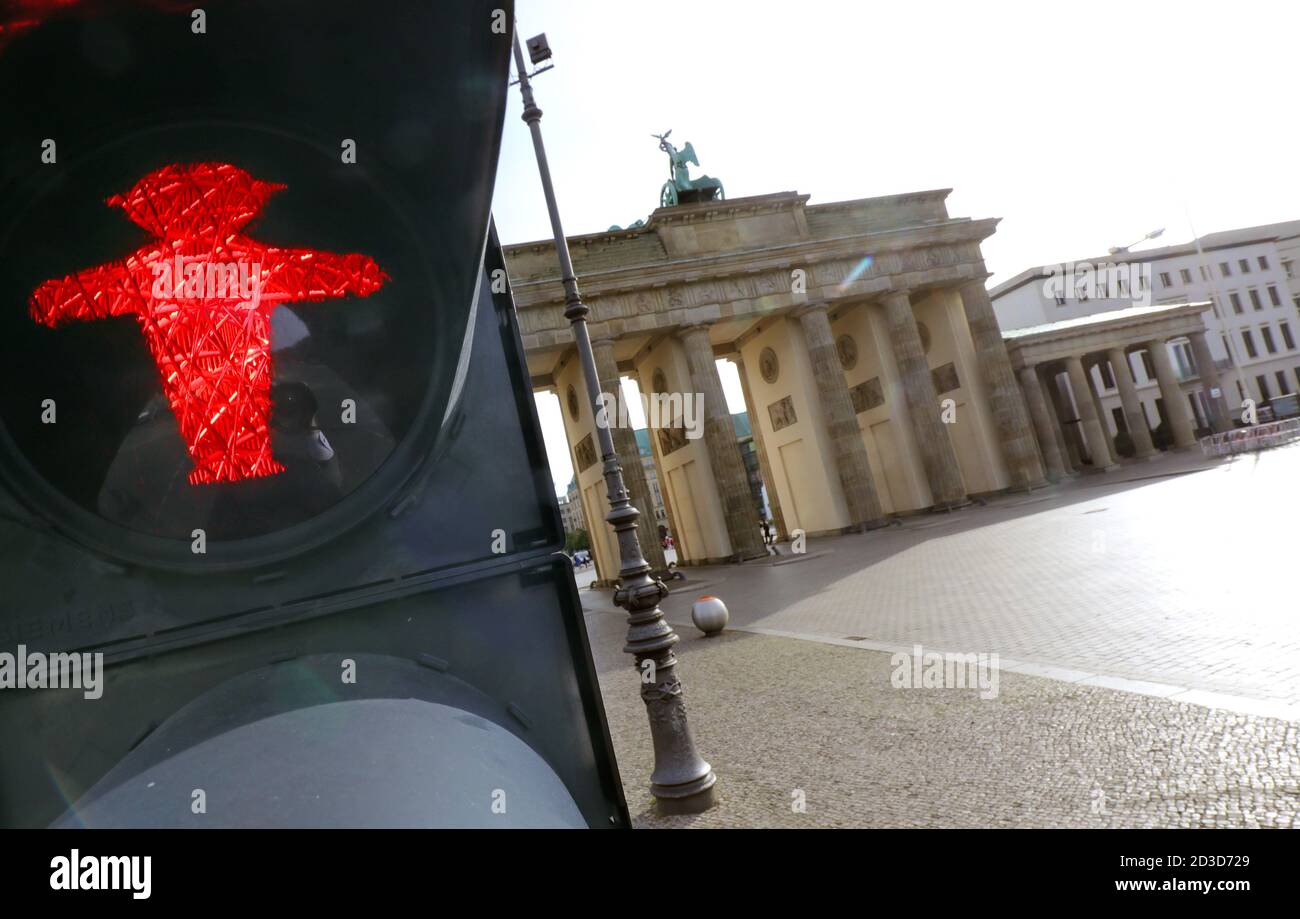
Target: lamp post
[
  {"x": 1154, "y": 234},
  {"x": 682, "y": 782}
]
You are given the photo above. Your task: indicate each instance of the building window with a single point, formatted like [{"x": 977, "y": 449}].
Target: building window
[
  {"x": 1263, "y": 263},
  {"x": 1287, "y": 340},
  {"x": 1250, "y": 343},
  {"x": 1262, "y": 383},
  {"x": 1289, "y": 267},
  {"x": 1267, "y": 334},
  {"x": 1244, "y": 265},
  {"x": 1273, "y": 296},
  {"x": 1236, "y": 302},
  {"x": 1255, "y": 301},
  {"x": 1185, "y": 275},
  {"x": 1283, "y": 387},
  {"x": 1205, "y": 273},
  {"x": 1214, "y": 305},
  {"x": 1297, "y": 374},
  {"x": 1060, "y": 300},
  {"x": 1148, "y": 366},
  {"x": 1107, "y": 378},
  {"x": 1164, "y": 279},
  {"x": 1225, "y": 269}
]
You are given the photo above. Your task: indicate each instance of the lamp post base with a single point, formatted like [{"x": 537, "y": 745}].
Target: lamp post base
[{"x": 669, "y": 803}]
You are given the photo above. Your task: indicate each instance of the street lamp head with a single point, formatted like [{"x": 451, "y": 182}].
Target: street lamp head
[
  {"x": 1117, "y": 250},
  {"x": 539, "y": 49}
]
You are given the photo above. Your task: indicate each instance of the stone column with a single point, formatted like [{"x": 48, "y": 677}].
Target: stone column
[
  {"x": 629, "y": 456},
  {"x": 1094, "y": 390},
  {"x": 1066, "y": 441},
  {"x": 1008, "y": 405},
  {"x": 937, "y": 454},
  {"x": 1176, "y": 407},
  {"x": 769, "y": 480},
  {"x": 847, "y": 448},
  {"x": 1220, "y": 418},
  {"x": 724, "y": 452},
  {"x": 1043, "y": 427},
  {"x": 1128, "y": 397},
  {"x": 1098, "y": 442}
]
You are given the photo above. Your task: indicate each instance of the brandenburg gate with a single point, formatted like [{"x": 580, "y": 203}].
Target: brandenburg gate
[{"x": 875, "y": 376}]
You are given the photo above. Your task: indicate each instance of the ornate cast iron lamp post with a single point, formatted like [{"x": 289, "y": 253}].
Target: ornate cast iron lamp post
[{"x": 682, "y": 781}]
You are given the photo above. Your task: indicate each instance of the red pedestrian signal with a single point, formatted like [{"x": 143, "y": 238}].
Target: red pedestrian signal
[{"x": 203, "y": 293}]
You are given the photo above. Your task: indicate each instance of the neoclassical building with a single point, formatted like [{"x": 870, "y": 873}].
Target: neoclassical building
[
  {"x": 1066, "y": 369},
  {"x": 875, "y": 375}
]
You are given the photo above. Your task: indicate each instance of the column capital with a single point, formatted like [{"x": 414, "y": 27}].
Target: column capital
[
  {"x": 974, "y": 285},
  {"x": 805, "y": 308},
  {"x": 691, "y": 328},
  {"x": 895, "y": 294}
]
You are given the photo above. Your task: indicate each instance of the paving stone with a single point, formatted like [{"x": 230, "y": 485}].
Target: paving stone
[{"x": 1165, "y": 601}]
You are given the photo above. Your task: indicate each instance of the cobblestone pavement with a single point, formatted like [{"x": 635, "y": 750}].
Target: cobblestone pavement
[
  {"x": 1180, "y": 580},
  {"x": 776, "y": 716},
  {"x": 1188, "y": 580}
]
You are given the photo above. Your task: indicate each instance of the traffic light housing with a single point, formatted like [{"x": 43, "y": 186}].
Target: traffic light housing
[{"x": 392, "y": 537}]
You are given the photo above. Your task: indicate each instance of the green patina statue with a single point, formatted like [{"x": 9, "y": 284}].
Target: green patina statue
[{"x": 681, "y": 188}]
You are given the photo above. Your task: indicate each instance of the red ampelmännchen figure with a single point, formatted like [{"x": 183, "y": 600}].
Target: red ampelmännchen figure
[{"x": 203, "y": 294}]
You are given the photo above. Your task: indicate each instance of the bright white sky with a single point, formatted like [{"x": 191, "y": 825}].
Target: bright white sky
[{"x": 1082, "y": 125}]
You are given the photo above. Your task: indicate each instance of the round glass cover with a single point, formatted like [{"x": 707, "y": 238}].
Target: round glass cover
[
  {"x": 235, "y": 268},
  {"x": 213, "y": 346}
]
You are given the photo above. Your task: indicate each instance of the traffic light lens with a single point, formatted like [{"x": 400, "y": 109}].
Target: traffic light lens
[{"x": 237, "y": 265}]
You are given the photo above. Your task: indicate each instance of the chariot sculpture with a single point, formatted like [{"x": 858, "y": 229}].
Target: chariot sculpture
[{"x": 681, "y": 188}]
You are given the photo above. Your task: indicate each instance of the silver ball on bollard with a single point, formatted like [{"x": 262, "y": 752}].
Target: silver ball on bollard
[{"x": 710, "y": 615}]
